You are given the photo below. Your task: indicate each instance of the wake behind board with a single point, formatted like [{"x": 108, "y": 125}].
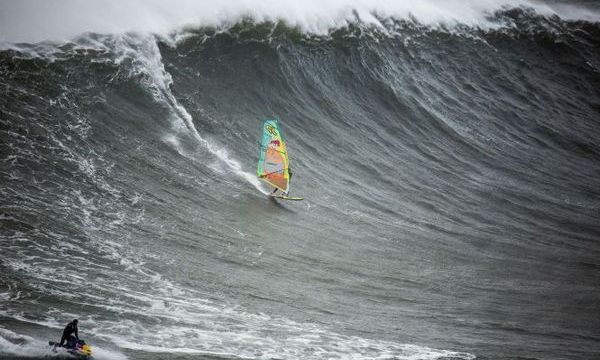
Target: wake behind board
[{"x": 283, "y": 197}]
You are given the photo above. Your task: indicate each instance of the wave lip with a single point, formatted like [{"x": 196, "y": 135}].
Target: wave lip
[{"x": 34, "y": 20}]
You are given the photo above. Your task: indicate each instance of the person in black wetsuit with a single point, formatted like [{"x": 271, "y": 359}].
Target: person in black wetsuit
[
  {"x": 289, "y": 181},
  {"x": 67, "y": 335}
]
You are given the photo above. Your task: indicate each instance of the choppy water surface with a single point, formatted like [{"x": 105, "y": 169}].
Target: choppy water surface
[{"x": 450, "y": 177}]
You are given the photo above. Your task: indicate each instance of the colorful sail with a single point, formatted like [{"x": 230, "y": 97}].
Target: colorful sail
[{"x": 273, "y": 161}]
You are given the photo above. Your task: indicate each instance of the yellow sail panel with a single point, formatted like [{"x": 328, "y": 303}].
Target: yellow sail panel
[{"x": 273, "y": 160}]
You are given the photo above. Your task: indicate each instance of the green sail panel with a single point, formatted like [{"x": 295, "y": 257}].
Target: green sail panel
[{"x": 273, "y": 160}]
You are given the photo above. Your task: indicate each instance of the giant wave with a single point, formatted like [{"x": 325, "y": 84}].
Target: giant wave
[{"x": 449, "y": 168}]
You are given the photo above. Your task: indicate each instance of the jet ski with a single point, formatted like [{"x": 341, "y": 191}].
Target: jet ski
[{"x": 79, "y": 349}]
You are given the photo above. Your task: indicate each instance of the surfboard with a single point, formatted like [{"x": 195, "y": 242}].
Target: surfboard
[{"x": 283, "y": 197}]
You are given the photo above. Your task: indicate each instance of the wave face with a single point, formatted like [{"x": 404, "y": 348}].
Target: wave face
[{"x": 450, "y": 177}]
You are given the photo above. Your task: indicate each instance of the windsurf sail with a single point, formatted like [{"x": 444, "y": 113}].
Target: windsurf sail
[{"x": 273, "y": 163}]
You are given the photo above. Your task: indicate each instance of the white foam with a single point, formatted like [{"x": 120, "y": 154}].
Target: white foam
[
  {"x": 36, "y": 20},
  {"x": 106, "y": 354},
  {"x": 154, "y": 314},
  {"x": 20, "y": 345}
]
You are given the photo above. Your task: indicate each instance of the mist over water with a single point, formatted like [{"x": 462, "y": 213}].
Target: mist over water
[
  {"x": 447, "y": 153},
  {"x": 37, "y": 20}
]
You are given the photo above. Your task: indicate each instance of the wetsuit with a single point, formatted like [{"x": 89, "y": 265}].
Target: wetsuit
[
  {"x": 290, "y": 180},
  {"x": 67, "y": 334}
]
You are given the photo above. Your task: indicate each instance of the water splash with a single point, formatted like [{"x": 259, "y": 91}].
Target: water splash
[{"x": 148, "y": 61}]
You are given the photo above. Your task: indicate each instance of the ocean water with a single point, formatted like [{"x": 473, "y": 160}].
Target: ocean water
[{"x": 447, "y": 152}]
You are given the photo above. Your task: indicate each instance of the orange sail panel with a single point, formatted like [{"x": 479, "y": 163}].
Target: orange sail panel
[{"x": 273, "y": 160}]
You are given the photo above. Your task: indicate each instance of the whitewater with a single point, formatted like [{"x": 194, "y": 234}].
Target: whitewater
[{"x": 447, "y": 153}]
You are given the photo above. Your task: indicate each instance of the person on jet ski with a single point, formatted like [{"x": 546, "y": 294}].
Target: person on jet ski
[{"x": 67, "y": 335}]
